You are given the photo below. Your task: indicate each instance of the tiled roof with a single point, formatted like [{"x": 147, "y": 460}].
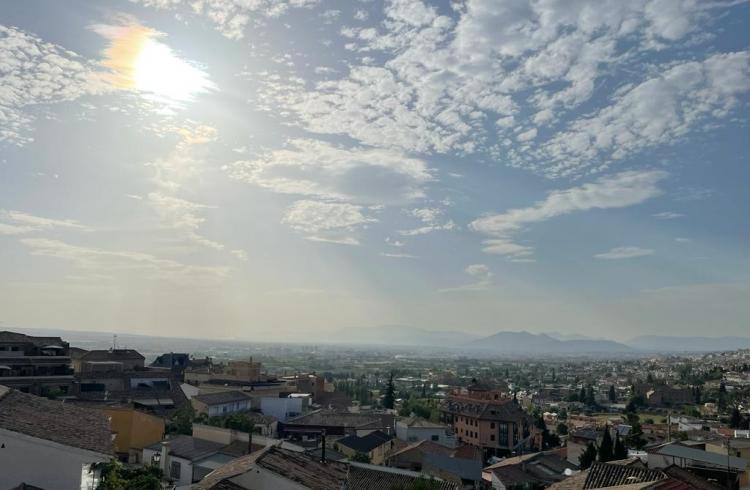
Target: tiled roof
[
  {"x": 367, "y": 443},
  {"x": 16, "y": 337},
  {"x": 343, "y": 419},
  {"x": 363, "y": 478},
  {"x": 502, "y": 410},
  {"x": 190, "y": 448},
  {"x": 55, "y": 421},
  {"x": 691, "y": 479},
  {"x": 222, "y": 397},
  {"x": 303, "y": 469},
  {"x": 111, "y": 355},
  {"x": 420, "y": 423},
  {"x": 465, "y": 469},
  {"x": 610, "y": 475},
  {"x": 423, "y": 446}
]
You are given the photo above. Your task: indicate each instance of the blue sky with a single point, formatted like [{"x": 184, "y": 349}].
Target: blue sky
[{"x": 280, "y": 169}]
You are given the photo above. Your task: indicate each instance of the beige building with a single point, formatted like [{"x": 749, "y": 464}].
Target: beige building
[
  {"x": 738, "y": 447},
  {"x": 133, "y": 430},
  {"x": 486, "y": 419}
]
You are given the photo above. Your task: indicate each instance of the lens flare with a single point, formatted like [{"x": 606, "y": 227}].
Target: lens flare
[{"x": 139, "y": 61}]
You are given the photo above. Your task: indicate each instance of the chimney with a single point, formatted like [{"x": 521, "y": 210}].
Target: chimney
[
  {"x": 323, "y": 448},
  {"x": 250, "y": 441},
  {"x": 164, "y": 459}
]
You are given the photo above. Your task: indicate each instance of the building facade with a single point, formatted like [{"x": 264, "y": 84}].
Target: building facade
[
  {"x": 38, "y": 365},
  {"x": 487, "y": 420}
]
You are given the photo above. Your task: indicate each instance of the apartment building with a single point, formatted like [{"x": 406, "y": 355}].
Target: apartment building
[
  {"x": 37, "y": 365},
  {"x": 486, "y": 419}
]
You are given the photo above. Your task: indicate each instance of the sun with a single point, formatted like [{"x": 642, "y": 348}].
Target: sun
[
  {"x": 140, "y": 61},
  {"x": 157, "y": 70}
]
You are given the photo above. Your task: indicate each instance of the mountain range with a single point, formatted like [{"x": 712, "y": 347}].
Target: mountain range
[{"x": 523, "y": 342}]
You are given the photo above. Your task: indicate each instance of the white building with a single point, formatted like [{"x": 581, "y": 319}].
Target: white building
[
  {"x": 415, "y": 429},
  {"x": 49, "y": 444},
  {"x": 185, "y": 459},
  {"x": 221, "y": 403},
  {"x": 282, "y": 408}
]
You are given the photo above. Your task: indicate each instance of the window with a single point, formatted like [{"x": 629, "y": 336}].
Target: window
[
  {"x": 492, "y": 437},
  {"x": 174, "y": 470},
  {"x": 492, "y": 425},
  {"x": 503, "y": 434},
  {"x": 435, "y": 437}
]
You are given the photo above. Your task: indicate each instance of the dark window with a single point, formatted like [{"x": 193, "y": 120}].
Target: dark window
[
  {"x": 174, "y": 470},
  {"x": 503, "y": 434},
  {"x": 435, "y": 438},
  {"x": 492, "y": 437},
  {"x": 492, "y": 425}
]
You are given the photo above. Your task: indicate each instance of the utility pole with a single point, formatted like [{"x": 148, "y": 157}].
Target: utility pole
[{"x": 729, "y": 473}]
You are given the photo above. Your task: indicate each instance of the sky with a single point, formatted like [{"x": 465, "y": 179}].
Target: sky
[{"x": 293, "y": 169}]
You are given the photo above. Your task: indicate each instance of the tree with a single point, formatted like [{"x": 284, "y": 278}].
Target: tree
[
  {"x": 389, "y": 399},
  {"x": 612, "y": 394},
  {"x": 562, "y": 429},
  {"x": 606, "y": 448},
  {"x": 113, "y": 475},
  {"x": 582, "y": 395},
  {"x": 736, "y": 419},
  {"x": 590, "y": 399},
  {"x": 182, "y": 421},
  {"x": 587, "y": 457},
  {"x": 361, "y": 457},
  {"x": 620, "y": 451},
  {"x": 635, "y": 439}
]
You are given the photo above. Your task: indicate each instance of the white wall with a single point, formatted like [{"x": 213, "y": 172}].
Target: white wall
[
  {"x": 186, "y": 467},
  {"x": 43, "y": 463},
  {"x": 414, "y": 434},
  {"x": 227, "y": 408},
  {"x": 281, "y": 408}
]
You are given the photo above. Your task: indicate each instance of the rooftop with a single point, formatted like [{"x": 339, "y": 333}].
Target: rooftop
[
  {"x": 367, "y": 443},
  {"x": 190, "y": 448},
  {"x": 55, "y": 421},
  {"x": 222, "y": 397}
]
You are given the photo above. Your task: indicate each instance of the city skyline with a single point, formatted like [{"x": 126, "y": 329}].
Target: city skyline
[{"x": 280, "y": 170}]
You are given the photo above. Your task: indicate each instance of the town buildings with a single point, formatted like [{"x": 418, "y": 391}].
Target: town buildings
[
  {"x": 50, "y": 444},
  {"x": 486, "y": 419},
  {"x": 221, "y": 403},
  {"x": 39, "y": 365},
  {"x": 413, "y": 429}
]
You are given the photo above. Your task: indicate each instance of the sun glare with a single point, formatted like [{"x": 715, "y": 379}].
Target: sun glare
[{"x": 141, "y": 62}]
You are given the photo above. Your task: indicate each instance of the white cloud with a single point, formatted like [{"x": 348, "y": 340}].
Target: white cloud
[
  {"x": 683, "y": 240},
  {"x": 658, "y": 111},
  {"x": 19, "y": 223},
  {"x": 182, "y": 216},
  {"x": 627, "y": 252},
  {"x": 617, "y": 191},
  {"x": 443, "y": 79},
  {"x": 668, "y": 215},
  {"x": 35, "y": 72},
  {"x": 326, "y": 221},
  {"x": 397, "y": 255},
  {"x": 431, "y": 218},
  {"x": 319, "y": 169},
  {"x": 107, "y": 263},
  {"x": 231, "y": 17},
  {"x": 482, "y": 279}
]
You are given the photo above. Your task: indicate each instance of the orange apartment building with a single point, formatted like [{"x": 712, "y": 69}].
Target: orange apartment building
[{"x": 487, "y": 419}]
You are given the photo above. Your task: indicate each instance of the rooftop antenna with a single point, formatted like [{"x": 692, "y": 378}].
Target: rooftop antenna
[{"x": 114, "y": 341}]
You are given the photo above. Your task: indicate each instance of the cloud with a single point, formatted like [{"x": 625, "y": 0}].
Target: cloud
[
  {"x": 182, "y": 216},
  {"x": 315, "y": 168},
  {"x": 34, "y": 72},
  {"x": 231, "y": 17},
  {"x": 431, "y": 217},
  {"x": 627, "y": 252},
  {"x": 397, "y": 255},
  {"x": 107, "y": 263},
  {"x": 616, "y": 191},
  {"x": 326, "y": 221},
  {"x": 443, "y": 79},
  {"x": 668, "y": 215},
  {"x": 482, "y": 279},
  {"x": 659, "y": 111},
  {"x": 23, "y": 223}
]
